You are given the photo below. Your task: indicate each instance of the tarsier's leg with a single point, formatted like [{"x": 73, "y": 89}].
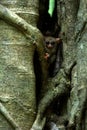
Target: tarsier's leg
[{"x": 8, "y": 117}]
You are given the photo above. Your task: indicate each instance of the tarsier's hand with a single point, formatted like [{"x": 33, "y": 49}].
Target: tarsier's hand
[{"x": 46, "y": 56}]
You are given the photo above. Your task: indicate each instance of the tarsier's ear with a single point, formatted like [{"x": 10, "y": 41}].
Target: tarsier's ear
[{"x": 58, "y": 40}]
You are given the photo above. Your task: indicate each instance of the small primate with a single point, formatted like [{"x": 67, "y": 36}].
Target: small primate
[
  {"x": 48, "y": 25},
  {"x": 51, "y": 45},
  {"x": 53, "y": 53}
]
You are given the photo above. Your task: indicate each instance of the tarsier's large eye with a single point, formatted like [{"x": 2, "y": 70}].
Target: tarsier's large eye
[{"x": 47, "y": 42}]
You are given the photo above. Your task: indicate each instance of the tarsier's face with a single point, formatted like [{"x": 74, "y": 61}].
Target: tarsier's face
[{"x": 51, "y": 44}]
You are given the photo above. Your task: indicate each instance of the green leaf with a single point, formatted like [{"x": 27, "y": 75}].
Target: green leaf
[{"x": 51, "y": 7}]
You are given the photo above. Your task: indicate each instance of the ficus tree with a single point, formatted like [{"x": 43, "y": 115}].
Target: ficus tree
[{"x": 19, "y": 41}]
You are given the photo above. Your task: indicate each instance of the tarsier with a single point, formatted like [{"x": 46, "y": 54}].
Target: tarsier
[
  {"x": 51, "y": 45},
  {"x": 48, "y": 25},
  {"x": 53, "y": 53}
]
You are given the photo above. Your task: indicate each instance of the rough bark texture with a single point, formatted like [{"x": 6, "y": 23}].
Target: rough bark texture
[
  {"x": 17, "y": 78},
  {"x": 72, "y": 18}
]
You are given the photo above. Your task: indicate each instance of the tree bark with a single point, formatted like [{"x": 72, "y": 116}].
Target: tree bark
[
  {"x": 72, "y": 18},
  {"x": 17, "y": 78},
  {"x": 17, "y": 90}
]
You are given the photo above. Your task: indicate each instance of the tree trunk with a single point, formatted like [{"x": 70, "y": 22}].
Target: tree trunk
[{"x": 17, "y": 78}]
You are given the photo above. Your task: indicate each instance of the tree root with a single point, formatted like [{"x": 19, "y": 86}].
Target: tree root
[
  {"x": 8, "y": 117},
  {"x": 13, "y": 19},
  {"x": 60, "y": 86},
  {"x": 60, "y": 89},
  {"x": 39, "y": 123}
]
